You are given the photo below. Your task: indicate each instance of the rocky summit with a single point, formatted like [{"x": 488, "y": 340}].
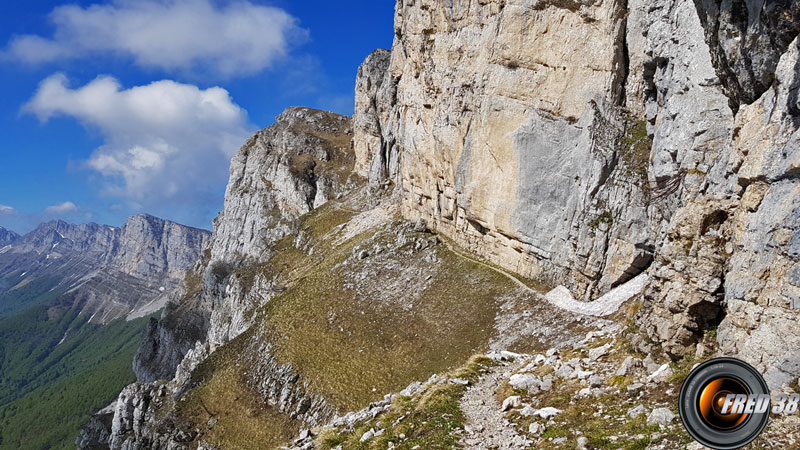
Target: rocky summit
[
  {"x": 7, "y": 237},
  {"x": 540, "y": 217}
]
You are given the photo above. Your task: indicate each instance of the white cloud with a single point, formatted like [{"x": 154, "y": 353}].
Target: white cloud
[
  {"x": 164, "y": 142},
  {"x": 61, "y": 208},
  {"x": 7, "y": 210},
  {"x": 236, "y": 39}
]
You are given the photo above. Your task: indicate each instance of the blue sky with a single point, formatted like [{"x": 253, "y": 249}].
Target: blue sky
[{"x": 108, "y": 109}]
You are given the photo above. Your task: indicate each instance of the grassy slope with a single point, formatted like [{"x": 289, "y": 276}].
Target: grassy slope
[
  {"x": 244, "y": 421},
  {"x": 48, "y": 390},
  {"x": 372, "y": 348}
]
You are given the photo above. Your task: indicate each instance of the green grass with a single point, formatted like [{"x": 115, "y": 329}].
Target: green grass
[
  {"x": 243, "y": 420},
  {"x": 635, "y": 148},
  {"x": 604, "y": 218},
  {"x": 370, "y": 349},
  {"x": 578, "y": 413}
]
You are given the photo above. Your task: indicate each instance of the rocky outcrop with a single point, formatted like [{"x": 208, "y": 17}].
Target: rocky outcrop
[
  {"x": 166, "y": 343},
  {"x": 371, "y": 109},
  {"x": 280, "y": 173},
  {"x": 143, "y": 418},
  {"x": 747, "y": 39},
  {"x": 729, "y": 258},
  {"x": 7, "y": 237},
  {"x": 106, "y": 272},
  {"x": 282, "y": 388},
  {"x": 134, "y": 425}
]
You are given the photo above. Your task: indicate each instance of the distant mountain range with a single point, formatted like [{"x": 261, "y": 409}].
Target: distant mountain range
[{"x": 106, "y": 272}]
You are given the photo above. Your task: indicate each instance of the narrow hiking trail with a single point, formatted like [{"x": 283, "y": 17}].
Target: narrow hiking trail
[
  {"x": 486, "y": 424},
  {"x": 562, "y": 298},
  {"x": 486, "y": 427}
]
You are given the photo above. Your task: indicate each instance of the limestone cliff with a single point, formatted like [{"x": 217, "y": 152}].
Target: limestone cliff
[
  {"x": 525, "y": 140},
  {"x": 512, "y": 127}
]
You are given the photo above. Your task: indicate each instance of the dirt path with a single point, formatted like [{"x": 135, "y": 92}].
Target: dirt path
[
  {"x": 486, "y": 428},
  {"x": 511, "y": 277}
]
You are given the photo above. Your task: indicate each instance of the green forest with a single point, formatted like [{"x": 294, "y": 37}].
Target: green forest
[{"x": 56, "y": 370}]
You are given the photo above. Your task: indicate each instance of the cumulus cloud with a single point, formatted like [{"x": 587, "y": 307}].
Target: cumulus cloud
[
  {"x": 164, "y": 142},
  {"x": 236, "y": 39},
  {"x": 61, "y": 208}
]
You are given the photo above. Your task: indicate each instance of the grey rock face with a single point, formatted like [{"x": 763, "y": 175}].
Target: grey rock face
[
  {"x": 747, "y": 39},
  {"x": 149, "y": 245},
  {"x": 685, "y": 108},
  {"x": 133, "y": 423},
  {"x": 372, "y": 85},
  {"x": 762, "y": 289},
  {"x": 727, "y": 255},
  {"x": 165, "y": 344},
  {"x": 7, "y": 237},
  {"x": 281, "y": 172}
]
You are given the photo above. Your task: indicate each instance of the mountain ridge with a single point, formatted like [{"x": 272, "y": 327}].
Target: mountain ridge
[{"x": 146, "y": 253}]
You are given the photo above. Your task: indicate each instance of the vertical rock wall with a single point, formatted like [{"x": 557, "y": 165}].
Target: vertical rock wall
[
  {"x": 501, "y": 122},
  {"x": 512, "y": 127}
]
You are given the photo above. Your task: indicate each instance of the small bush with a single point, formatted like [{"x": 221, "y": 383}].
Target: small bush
[{"x": 221, "y": 270}]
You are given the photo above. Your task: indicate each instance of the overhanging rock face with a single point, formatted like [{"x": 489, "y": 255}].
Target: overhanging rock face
[{"x": 747, "y": 39}]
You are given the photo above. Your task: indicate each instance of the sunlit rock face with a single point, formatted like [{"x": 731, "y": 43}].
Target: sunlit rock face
[{"x": 508, "y": 126}]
